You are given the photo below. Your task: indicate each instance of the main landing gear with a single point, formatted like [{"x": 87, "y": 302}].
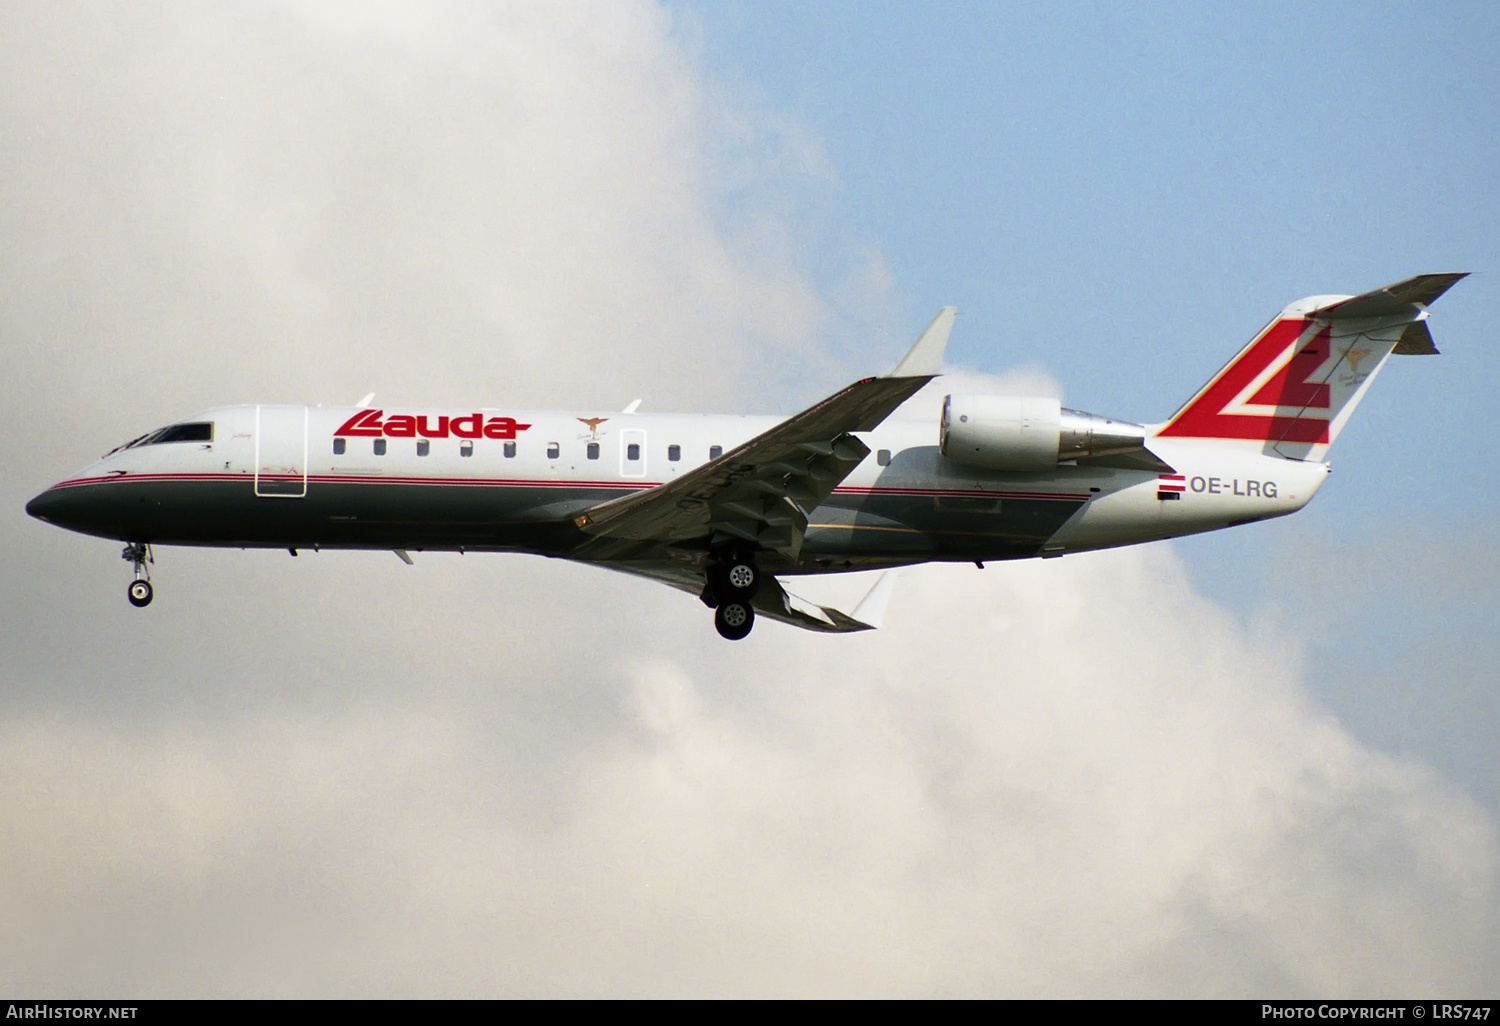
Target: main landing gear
[
  {"x": 733, "y": 620},
  {"x": 139, "y": 592},
  {"x": 732, "y": 585}
]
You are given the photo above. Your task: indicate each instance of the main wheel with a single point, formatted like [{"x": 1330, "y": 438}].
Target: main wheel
[
  {"x": 737, "y": 579},
  {"x": 734, "y": 619},
  {"x": 741, "y": 577},
  {"x": 140, "y": 593}
]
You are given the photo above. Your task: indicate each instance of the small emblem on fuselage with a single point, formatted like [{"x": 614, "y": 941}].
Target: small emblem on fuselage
[{"x": 593, "y": 425}]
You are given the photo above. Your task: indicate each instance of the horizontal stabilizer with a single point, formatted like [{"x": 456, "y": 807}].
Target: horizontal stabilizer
[{"x": 1405, "y": 298}]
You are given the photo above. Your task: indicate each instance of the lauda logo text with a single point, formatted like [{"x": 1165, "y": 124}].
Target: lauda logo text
[{"x": 368, "y": 424}]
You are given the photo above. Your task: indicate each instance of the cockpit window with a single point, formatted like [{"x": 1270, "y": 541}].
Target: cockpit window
[
  {"x": 128, "y": 445},
  {"x": 201, "y": 432}
]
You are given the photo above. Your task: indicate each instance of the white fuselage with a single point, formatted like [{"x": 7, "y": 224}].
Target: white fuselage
[{"x": 453, "y": 479}]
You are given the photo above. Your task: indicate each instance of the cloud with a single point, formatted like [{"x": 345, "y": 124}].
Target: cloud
[
  {"x": 341, "y": 775},
  {"x": 1402, "y": 626},
  {"x": 1017, "y": 789},
  {"x": 300, "y": 202}
]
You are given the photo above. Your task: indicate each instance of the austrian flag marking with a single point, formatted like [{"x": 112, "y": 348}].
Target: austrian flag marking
[
  {"x": 368, "y": 424},
  {"x": 1170, "y": 487}
]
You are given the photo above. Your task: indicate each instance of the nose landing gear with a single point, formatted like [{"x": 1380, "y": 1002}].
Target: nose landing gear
[{"x": 139, "y": 592}]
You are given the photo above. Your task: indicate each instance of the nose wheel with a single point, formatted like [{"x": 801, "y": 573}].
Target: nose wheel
[{"x": 140, "y": 591}]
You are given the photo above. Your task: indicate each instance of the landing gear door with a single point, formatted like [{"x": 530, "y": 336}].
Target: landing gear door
[{"x": 281, "y": 452}]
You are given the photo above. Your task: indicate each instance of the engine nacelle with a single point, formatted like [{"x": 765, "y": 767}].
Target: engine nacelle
[{"x": 1002, "y": 432}]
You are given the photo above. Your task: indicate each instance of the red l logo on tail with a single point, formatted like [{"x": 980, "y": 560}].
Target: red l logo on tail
[{"x": 1210, "y": 415}]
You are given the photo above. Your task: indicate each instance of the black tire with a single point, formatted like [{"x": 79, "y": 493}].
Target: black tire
[
  {"x": 139, "y": 593},
  {"x": 734, "y": 619}
]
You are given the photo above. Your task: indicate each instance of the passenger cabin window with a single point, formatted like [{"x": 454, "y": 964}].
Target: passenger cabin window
[
  {"x": 424, "y": 447},
  {"x": 715, "y": 451},
  {"x": 510, "y": 450},
  {"x": 632, "y": 451},
  {"x": 674, "y": 453},
  {"x": 339, "y": 445},
  {"x": 593, "y": 450},
  {"x": 883, "y": 457},
  {"x": 466, "y": 448},
  {"x": 380, "y": 447},
  {"x": 554, "y": 450}
]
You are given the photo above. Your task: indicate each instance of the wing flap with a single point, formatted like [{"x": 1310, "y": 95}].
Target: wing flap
[{"x": 775, "y": 602}]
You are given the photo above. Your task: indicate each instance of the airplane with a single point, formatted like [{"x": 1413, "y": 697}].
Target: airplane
[{"x": 724, "y": 506}]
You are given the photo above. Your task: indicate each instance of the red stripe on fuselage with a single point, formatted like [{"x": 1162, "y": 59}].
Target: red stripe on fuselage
[{"x": 541, "y": 483}]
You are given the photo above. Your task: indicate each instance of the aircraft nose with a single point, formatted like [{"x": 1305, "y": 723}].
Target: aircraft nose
[
  {"x": 90, "y": 507},
  {"x": 60, "y": 506},
  {"x": 47, "y": 506}
]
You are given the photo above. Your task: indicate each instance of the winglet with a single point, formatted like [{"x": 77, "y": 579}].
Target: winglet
[{"x": 923, "y": 358}]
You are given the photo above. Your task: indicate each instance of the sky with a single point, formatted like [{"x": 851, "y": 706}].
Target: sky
[{"x": 1259, "y": 762}]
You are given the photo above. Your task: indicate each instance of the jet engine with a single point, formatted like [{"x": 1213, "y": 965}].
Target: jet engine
[{"x": 1001, "y": 432}]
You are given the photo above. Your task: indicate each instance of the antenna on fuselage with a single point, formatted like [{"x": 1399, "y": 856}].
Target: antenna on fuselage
[
  {"x": 365, "y": 402},
  {"x": 632, "y": 407}
]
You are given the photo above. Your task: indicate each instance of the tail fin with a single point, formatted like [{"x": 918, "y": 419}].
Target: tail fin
[{"x": 1291, "y": 390}]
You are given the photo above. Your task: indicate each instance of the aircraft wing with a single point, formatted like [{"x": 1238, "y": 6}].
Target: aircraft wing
[
  {"x": 761, "y": 492},
  {"x": 774, "y": 601}
]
